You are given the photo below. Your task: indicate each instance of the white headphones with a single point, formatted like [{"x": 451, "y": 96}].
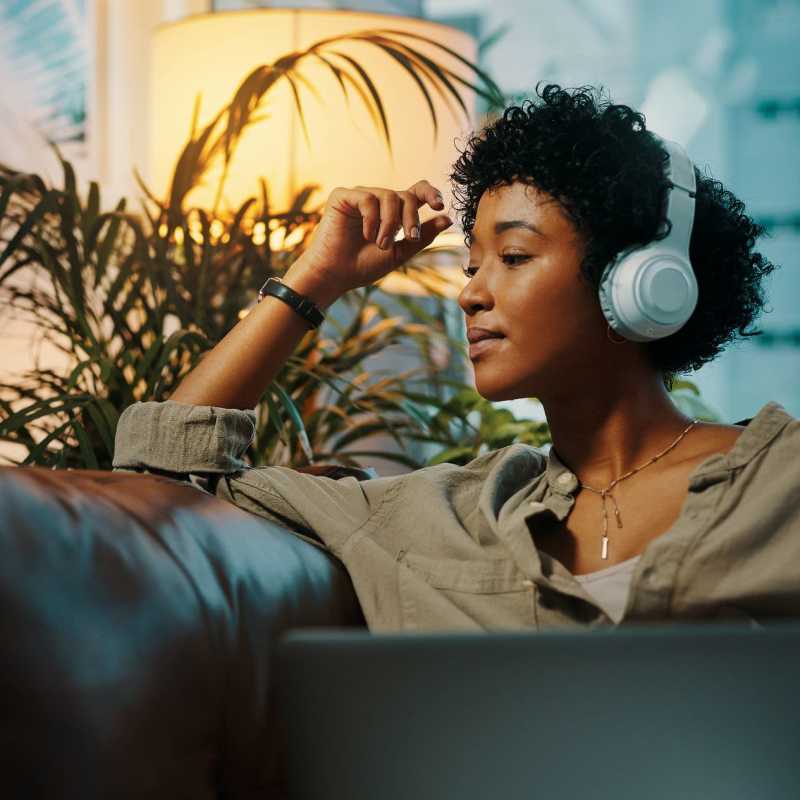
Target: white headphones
[{"x": 650, "y": 292}]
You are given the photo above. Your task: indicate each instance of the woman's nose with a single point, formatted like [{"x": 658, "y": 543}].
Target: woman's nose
[{"x": 475, "y": 295}]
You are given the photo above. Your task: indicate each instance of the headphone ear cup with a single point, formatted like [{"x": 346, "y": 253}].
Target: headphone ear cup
[
  {"x": 605, "y": 295},
  {"x": 648, "y": 293}
]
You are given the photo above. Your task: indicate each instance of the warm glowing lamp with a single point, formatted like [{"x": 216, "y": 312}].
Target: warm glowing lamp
[{"x": 210, "y": 54}]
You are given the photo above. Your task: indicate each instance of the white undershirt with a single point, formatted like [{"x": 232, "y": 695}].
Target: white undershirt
[{"x": 609, "y": 586}]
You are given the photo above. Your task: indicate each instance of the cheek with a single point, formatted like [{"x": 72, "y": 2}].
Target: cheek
[
  {"x": 553, "y": 326},
  {"x": 549, "y": 306}
]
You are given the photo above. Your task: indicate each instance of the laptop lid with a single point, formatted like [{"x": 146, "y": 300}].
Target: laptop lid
[{"x": 666, "y": 713}]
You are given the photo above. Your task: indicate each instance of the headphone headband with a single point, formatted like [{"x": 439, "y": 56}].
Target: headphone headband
[{"x": 680, "y": 199}]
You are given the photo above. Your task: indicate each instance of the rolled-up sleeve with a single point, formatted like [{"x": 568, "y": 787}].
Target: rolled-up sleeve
[
  {"x": 182, "y": 438},
  {"x": 205, "y": 445}
]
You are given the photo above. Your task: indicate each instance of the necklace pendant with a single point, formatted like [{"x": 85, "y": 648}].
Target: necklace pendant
[{"x": 604, "y": 548}]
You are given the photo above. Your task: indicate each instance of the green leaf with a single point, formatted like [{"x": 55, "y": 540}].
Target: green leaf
[
  {"x": 408, "y": 65},
  {"x": 400, "y": 458},
  {"x": 373, "y": 91},
  {"x": 108, "y": 243},
  {"x": 18, "y": 183},
  {"x": 37, "y": 454},
  {"x": 457, "y": 455},
  {"x": 78, "y": 370},
  {"x": 494, "y": 91},
  {"x": 45, "y": 205},
  {"x": 418, "y": 413},
  {"x": 297, "y": 420},
  {"x": 491, "y": 39},
  {"x": 105, "y": 417},
  {"x": 90, "y": 214},
  {"x": 87, "y": 452},
  {"x": 42, "y": 408},
  {"x": 300, "y": 200},
  {"x": 276, "y": 418},
  {"x": 679, "y": 384},
  {"x": 337, "y": 73},
  {"x": 691, "y": 405},
  {"x": 180, "y": 341},
  {"x": 359, "y": 431}
]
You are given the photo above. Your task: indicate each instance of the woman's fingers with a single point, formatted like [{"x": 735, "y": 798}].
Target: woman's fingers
[
  {"x": 398, "y": 209},
  {"x": 419, "y": 194},
  {"x": 429, "y": 230},
  {"x": 428, "y": 193},
  {"x": 391, "y": 213},
  {"x": 410, "y": 215},
  {"x": 370, "y": 208},
  {"x": 356, "y": 203}
]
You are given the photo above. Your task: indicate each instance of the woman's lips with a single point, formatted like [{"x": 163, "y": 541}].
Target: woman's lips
[{"x": 484, "y": 346}]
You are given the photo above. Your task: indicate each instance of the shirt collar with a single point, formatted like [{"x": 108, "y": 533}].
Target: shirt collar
[
  {"x": 562, "y": 483},
  {"x": 554, "y": 490},
  {"x": 560, "y": 479},
  {"x": 770, "y": 420}
]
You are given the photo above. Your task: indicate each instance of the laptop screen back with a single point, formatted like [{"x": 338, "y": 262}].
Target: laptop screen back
[{"x": 670, "y": 713}]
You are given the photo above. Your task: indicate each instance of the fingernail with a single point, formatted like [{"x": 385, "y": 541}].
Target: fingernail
[
  {"x": 384, "y": 243},
  {"x": 414, "y": 233}
]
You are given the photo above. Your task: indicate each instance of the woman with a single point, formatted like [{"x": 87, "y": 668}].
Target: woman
[{"x": 637, "y": 513}]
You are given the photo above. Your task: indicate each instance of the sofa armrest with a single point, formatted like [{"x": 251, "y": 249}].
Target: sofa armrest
[{"x": 138, "y": 617}]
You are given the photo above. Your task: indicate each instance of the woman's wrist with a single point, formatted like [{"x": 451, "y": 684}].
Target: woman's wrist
[{"x": 302, "y": 277}]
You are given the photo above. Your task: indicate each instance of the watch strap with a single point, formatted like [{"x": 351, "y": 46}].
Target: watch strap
[{"x": 305, "y": 307}]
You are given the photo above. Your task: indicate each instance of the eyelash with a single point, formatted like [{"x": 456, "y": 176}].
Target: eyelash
[{"x": 467, "y": 270}]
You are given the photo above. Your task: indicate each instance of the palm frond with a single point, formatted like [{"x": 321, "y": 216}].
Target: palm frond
[{"x": 204, "y": 147}]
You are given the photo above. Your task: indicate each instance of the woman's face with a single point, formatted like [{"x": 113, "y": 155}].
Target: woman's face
[{"x": 525, "y": 266}]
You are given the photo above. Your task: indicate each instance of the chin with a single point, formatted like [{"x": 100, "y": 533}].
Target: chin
[
  {"x": 496, "y": 390},
  {"x": 494, "y": 382}
]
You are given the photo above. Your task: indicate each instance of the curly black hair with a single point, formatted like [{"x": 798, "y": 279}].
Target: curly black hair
[{"x": 606, "y": 170}]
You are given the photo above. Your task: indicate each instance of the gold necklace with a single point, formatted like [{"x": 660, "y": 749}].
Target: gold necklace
[{"x": 607, "y": 490}]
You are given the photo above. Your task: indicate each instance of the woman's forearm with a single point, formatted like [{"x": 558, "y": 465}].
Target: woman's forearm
[{"x": 237, "y": 371}]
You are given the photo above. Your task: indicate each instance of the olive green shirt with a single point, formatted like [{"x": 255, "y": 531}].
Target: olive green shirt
[{"x": 452, "y": 547}]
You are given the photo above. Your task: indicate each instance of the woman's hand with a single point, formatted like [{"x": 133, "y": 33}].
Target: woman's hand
[{"x": 354, "y": 246}]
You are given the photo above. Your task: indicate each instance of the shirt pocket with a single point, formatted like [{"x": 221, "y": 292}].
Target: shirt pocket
[{"x": 445, "y": 593}]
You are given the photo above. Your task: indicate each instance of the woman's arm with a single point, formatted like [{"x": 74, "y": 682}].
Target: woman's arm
[
  {"x": 352, "y": 246},
  {"x": 236, "y": 372}
]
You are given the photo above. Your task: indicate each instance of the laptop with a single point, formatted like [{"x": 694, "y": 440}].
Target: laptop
[{"x": 687, "y": 712}]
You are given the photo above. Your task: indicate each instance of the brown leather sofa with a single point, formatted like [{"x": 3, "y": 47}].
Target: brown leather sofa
[{"x": 138, "y": 617}]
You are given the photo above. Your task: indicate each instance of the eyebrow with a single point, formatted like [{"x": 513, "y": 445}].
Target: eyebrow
[{"x": 505, "y": 225}]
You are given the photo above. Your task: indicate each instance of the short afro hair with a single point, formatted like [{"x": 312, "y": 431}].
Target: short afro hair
[{"x": 606, "y": 170}]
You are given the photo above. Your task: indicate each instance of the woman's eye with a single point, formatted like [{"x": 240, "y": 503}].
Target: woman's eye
[{"x": 507, "y": 258}]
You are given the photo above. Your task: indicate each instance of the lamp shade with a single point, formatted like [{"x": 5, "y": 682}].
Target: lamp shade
[{"x": 211, "y": 54}]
